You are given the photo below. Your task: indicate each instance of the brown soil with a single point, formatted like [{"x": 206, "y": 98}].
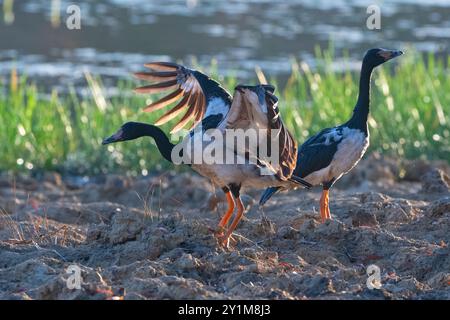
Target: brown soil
[{"x": 151, "y": 238}]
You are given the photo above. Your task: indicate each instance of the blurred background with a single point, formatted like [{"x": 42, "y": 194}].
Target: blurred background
[
  {"x": 117, "y": 36},
  {"x": 62, "y": 90}
]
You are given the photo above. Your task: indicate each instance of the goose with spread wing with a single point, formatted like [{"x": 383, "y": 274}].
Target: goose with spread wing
[
  {"x": 333, "y": 152},
  {"x": 214, "y": 115}
]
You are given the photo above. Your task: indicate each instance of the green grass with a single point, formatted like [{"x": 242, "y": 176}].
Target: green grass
[{"x": 410, "y": 116}]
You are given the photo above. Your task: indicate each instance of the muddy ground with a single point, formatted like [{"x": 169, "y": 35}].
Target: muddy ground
[{"x": 152, "y": 238}]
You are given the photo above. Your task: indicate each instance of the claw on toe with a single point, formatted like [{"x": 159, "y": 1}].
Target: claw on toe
[
  {"x": 221, "y": 237},
  {"x": 219, "y": 232},
  {"x": 225, "y": 241}
]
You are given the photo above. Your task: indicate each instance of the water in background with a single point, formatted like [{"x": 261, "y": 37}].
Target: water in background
[{"x": 118, "y": 36}]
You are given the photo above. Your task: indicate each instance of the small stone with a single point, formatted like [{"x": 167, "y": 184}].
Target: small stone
[
  {"x": 188, "y": 262},
  {"x": 363, "y": 217},
  {"x": 373, "y": 197},
  {"x": 287, "y": 232}
]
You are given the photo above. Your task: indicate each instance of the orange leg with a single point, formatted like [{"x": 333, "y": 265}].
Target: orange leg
[
  {"x": 239, "y": 214},
  {"x": 327, "y": 206},
  {"x": 224, "y": 221},
  {"x": 324, "y": 207}
]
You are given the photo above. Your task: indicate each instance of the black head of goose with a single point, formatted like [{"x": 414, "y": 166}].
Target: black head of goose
[{"x": 332, "y": 152}]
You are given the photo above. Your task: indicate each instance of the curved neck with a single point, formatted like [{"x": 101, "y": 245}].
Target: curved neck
[
  {"x": 162, "y": 141},
  {"x": 361, "y": 110}
]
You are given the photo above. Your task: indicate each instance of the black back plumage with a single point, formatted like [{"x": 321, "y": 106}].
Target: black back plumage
[
  {"x": 318, "y": 151},
  {"x": 315, "y": 154},
  {"x": 211, "y": 87}
]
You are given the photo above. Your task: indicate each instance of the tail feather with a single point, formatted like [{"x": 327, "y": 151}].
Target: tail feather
[
  {"x": 301, "y": 181},
  {"x": 267, "y": 194}
]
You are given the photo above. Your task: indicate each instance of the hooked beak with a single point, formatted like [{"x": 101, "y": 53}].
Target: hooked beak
[
  {"x": 390, "y": 54},
  {"x": 114, "y": 138}
]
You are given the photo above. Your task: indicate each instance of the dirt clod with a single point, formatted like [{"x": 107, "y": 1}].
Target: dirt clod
[{"x": 144, "y": 239}]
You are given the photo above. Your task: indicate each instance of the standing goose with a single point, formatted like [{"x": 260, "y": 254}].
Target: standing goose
[
  {"x": 333, "y": 152},
  {"x": 206, "y": 102}
]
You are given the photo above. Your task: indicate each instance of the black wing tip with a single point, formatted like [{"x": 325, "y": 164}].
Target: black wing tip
[
  {"x": 273, "y": 99},
  {"x": 269, "y": 88}
]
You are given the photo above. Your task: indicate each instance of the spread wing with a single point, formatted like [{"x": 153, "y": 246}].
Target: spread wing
[
  {"x": 287, "y": 151},
  {"x": 266, "y": 115},
  {"x": 194, "y": 93},
  {"x": 245, "y": 114}
]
